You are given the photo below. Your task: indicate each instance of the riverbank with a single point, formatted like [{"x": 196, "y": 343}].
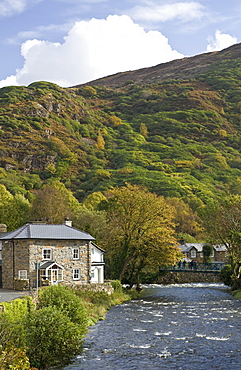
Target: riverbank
[
  {"x": 47, "y": 330},
  {"x": 236, "y": 294}
]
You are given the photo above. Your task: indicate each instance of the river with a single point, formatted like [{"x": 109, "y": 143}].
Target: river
[{"x": 179, "y": 326}]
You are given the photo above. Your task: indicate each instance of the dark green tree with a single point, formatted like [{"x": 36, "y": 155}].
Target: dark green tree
[{"x": 207, "y": 251}]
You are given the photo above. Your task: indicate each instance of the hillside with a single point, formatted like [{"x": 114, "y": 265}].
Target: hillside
[
  {"x": 185, "y": 68},
  {"x": 174, "y": 128}
]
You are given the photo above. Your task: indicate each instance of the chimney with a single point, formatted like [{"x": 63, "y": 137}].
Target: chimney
[
  {"x": 67, "y": 222},
  {"x": 3, "y": 228}
]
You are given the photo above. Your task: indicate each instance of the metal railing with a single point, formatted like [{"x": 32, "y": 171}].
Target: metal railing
[{"x": 195, "y": 267}]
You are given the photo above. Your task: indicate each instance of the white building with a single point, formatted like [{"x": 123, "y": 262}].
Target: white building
[{"x": 97, "y": 264}]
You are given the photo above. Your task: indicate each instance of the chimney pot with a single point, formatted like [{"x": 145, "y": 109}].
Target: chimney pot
[
  {"x": 67, "y": 222},
  {"x": 3, "y": 228}
]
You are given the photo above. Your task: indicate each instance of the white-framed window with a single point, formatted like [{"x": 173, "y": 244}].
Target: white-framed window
[
  {"x": 76, "y": 274},
  {"x": 22, "y": 274},
  {"x": 193, "y": 253},
  {"x": 47, "y": 254},
  {"x": 75, "y": 253}
]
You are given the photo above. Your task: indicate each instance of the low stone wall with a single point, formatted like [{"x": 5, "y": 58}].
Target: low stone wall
[
  {"x": 22, "y": 284},
  {"x": 188, "y": 277},
  {"x": 94, "y": 287}
]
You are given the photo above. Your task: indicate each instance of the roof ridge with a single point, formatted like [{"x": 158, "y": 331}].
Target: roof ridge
[
  {"x": 28, "y": 230},
  {"x": 21, "y": 229}
]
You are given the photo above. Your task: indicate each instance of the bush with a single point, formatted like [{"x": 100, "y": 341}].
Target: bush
[
  {"x": 11, "y": 322},
  {"x": 14, "y": 358},
  {"x": 226, "y": 275},
  {"x": 66, "y": 301},
  {"x": 52, "y": 339},
  {"x": 116, "y": 284}
]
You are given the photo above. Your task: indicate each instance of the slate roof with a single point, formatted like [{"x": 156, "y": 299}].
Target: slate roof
[
  {"x": 188, "y": 246},
  {"x": 48, "y": 264},
  {"x": 220, "y": 248},
  {"x": 47, "y": 231},
  {"x": 96, "y": 246}
]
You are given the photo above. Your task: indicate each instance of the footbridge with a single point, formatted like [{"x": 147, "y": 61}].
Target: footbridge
[{"x": 215, "y": 267}]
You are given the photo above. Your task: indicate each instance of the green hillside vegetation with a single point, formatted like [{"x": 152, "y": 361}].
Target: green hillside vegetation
[{"x": 180, "y": 138}]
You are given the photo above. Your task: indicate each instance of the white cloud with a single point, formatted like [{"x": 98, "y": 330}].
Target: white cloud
[
  {"x": 11, "y": 7},
  {"x": 184, "y": 11},
  {"x": 9, "y": 81},
  {"x": 94, "y": 49},
  {"x": 220, "y": 41}
]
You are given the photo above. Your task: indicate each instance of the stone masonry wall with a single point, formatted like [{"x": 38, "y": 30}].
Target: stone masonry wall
[
  {"x": 187, "y": 277},
  {"x": 24, "y": 254},
  {"x": 15, "y": 257},
  {"x": 62, "y": 254}
]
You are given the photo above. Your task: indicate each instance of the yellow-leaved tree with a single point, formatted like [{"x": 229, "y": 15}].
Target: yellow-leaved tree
[
  {"x": 14, "y": 209},
  {"x": 141, "y": 232}
]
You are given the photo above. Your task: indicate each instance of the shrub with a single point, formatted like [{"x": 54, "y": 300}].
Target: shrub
[
  {"x": 116, "y": 284},
  {"x": 66, "y": 301},
  {"x": 226, "y": 275},
  {"x": 11, "y": 322},
  {"x": 14, "y": 358},
  {"x": 52, "y": 339}
]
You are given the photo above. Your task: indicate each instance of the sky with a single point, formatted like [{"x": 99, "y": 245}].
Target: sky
[{"x": 69, "y": 42}]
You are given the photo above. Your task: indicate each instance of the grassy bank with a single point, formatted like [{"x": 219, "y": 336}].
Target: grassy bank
[
  {"x": 236, "y": 294},
  {"x": 50, "y": 332}
]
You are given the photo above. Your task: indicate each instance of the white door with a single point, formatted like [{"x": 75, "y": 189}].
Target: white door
[{"x": 54, "y": 276}]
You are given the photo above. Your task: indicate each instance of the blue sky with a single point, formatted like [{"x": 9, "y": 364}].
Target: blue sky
[{"x": 69, "y": 42}]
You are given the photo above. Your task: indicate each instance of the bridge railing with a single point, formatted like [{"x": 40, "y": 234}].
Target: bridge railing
[{"x": 196, "y": 267}]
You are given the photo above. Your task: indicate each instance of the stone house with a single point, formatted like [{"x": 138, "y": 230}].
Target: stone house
[
  {"x": 194, "y": 251},
  {"x": 39, "y": 254}
]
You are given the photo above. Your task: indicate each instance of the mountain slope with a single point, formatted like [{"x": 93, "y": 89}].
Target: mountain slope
[
  {"x": 185, "y": 68},
  {"x": 174, "y": 128}
]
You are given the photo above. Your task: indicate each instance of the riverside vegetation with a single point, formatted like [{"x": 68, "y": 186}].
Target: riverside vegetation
[
  {"x": 169, "y": 133},
  {"x": 49, "y": 333}
]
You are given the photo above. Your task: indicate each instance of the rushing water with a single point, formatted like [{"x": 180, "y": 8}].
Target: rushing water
[{"x": 181, "y": 326}]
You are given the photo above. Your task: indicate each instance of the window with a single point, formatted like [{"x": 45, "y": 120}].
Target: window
[
  {"x": 75, "y": 253},
  {"x": 76, "y": 274},
  {"x": 22, "y": 274},
  {"x": 193, "y": 253},
  {"x": 47, "y": 254}
]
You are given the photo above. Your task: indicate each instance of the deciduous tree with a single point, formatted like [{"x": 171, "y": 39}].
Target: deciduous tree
[
  {"x": 222, "y": 221},
  {"x": 54, "y": 202},
  {"x": 14, "y": 209},
  {"x": 141, "y": 231}
]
